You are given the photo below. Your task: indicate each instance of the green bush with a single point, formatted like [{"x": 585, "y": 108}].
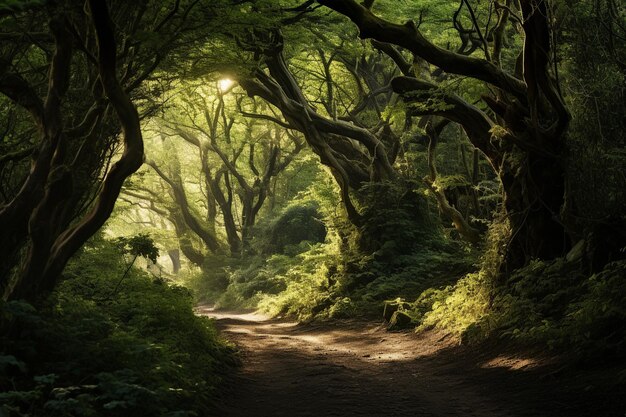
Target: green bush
[
  {"x": 90, "y": 351},
  {"x": 558, "y": 305},
  {"x": 552, "y": 303},
  {"x": 298, "y": 223},
  {"x": 307, "y": 283}
]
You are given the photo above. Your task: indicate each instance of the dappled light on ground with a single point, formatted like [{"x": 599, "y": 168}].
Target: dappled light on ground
[
  {"x": 210, "y": 311},
  {"x": 357, "y": 368},
  {"x": 512, "y": 363}
]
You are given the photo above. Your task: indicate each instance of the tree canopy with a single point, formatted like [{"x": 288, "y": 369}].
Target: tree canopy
[{"x": 459, "y": 164}]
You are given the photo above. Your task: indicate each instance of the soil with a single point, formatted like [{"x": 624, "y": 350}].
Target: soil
[{"x": 358, "y": 368}]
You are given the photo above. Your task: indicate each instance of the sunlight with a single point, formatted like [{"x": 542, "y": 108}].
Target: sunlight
[
  {"x": 511, "y": 363},
  {"x": 225, "y": 84}
]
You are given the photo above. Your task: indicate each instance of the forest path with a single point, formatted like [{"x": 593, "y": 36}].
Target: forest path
[{"x": 357, "y": 368}]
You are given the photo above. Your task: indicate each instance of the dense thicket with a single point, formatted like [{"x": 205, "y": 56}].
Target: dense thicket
[{"x": 110, "y": 341}]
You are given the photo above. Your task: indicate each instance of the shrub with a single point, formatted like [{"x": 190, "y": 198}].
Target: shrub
[{"x": 88, "y": 351}]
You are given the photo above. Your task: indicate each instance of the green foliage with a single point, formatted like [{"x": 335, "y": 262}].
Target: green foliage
[
  {"x": 456, "y": 308},
  {"x": 598, "y": 319},
  {"x": 596, "y": 142},
  {"x": 396, "y": 220},
  {"x": 397, "y": 252},
  {"x": 257, "y": 276},
  {"x": 297, "y": 223},
  {"x": 138, "y": 245},
  {"x": 306, "y": 282},
  {"x": 459, "y": 307},
  {"x": 143, "y": 352},
  {"x": 19, "y": 5},
  {"x": 450, "y": 181},
  {"x": 555, "y": 303},
  {"x": 428, "y": 101}
]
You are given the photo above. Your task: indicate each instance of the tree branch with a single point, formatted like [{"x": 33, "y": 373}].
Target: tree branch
[{"x": 409, "y": 37}]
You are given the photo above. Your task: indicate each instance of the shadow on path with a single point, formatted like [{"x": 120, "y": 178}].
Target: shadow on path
[{"x": 356, "y": 368}]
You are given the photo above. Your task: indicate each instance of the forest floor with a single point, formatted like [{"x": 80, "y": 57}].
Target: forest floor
[{"x": 357, "y": 368}]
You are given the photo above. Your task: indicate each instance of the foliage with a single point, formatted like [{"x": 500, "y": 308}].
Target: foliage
[
  {"x": 276, "y": 244},
  {"x": 296, "y": 223},
  {"x": 398, "y": 252},
  {"x": 306, "y": 284},
  {"x": 555, "y": 303},
  {"x": 321, "y": 283},
  {"x": 457, "y": 308},
  {"x": 143, "y": 352},
  {"x": 18, "y": 5},
  {"x": 396, "y": 219},
  {"x": 138, "y": 245}
]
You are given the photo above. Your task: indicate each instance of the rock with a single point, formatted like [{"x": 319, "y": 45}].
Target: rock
[
  {"x": 400, "y": 320},
  {"x": 392, "y": 306}
]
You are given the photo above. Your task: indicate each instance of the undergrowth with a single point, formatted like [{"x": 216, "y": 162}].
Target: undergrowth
[
  {"x": 400, "y": 255},
  {"x": 555, "y": 303},
  {"x": 345, "y": 271},
  {"x": 96, "y": 348}
]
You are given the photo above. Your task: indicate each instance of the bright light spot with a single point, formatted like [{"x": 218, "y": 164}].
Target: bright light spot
[
  {"x": 512, "y": 363},
  {"x": 224, "y": 84}
]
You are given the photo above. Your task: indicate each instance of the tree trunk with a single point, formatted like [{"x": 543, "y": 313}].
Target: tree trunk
[
  {"x": 49, "y": 254},
  {"x": 459, "y": 222},
  {"x": 522, "y": 135},
  {"x": 533, "y": 198},
  {"x": 174, "y": 255}
]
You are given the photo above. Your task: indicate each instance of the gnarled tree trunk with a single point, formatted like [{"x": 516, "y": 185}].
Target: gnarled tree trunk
[
  {"x": 50, "y": 252},
  {"x": 523, "y": 134}
]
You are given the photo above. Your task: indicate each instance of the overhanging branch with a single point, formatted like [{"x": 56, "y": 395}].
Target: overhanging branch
[{"x": 409, "y": 37}]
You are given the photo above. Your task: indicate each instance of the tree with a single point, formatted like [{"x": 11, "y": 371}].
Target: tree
[
  {"x": 588, "y": 32},
  {"x": 70, "y": 190},
  {"x": 353, "y": 152},
  {"x": 522, "y": 129},
  {"x": 238, "y": 159}
]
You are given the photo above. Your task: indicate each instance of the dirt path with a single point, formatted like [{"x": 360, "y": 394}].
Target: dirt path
[{"x": 358, "y": 369}]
